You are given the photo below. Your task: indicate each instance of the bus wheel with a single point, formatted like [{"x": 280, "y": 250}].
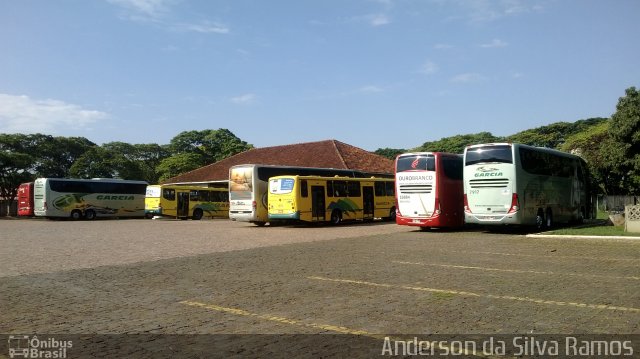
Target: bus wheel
[
  {"x": 392, "y": 214},
  {"x": 336, "y": 217},
  {"x": 76, "y": 214},
  {"x": 540, "y": 219},
  {"x": 90, "y": 214},
  {"x": 197, "y": 214},
  {"x": 549, "y": 219}
]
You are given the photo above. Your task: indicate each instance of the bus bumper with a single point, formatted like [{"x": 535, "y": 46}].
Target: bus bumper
[
  {"x": 153, "y": 212},
  {"x": 294, "y": 215},
  {"x": 419, "y": 222},
  {"x": 493, "y": 219}
]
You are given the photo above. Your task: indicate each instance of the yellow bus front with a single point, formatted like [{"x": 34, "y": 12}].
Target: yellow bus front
[
  {"x": 283, "y": 198},
  {"x": 152, "y": 201}
]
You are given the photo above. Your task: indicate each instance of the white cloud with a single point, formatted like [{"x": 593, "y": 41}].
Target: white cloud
[
  {"x": 245, "y": 99},
  {"x": 23, "y": 114},
  {"x": 428, "y": 68},
  {"x": 379, "y": 20},
  {"x": 204, "y": 28},
  {"x": 491, "y": 10},
  {"x": 494, "y": 43},
  {"x": 374, "y": 20},
  {"x": 144, "y": 9},
  {"x": 467, "y": 77}
]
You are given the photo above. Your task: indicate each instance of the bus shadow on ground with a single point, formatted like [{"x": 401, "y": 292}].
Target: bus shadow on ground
[{"x": 376, "y": 222}]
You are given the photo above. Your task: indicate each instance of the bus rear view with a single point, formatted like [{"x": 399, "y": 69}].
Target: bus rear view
[
  {"x": 489, "y": 184},
  {"x": 429, "y": 190}
]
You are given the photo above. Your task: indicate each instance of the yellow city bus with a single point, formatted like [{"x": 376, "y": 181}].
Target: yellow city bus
[
  {"x": 181, "y": 201},
  {"x": 330, "y": 199}
]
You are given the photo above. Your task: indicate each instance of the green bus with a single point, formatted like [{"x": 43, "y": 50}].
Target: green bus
[{"x": 511, "y": 183}]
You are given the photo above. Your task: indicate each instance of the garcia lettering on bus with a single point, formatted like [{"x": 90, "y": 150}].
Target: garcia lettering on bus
[
  {"x": 114, "y": 198},
  {"x": 488, "y": 174}
]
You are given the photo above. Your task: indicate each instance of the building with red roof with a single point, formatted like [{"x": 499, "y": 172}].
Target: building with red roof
[{"x": 323, "y": 154}]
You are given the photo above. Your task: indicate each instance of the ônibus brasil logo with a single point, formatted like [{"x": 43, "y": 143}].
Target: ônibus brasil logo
[
  {"x": 414, "y": 164},
  {"x": 487, "y": 172},
  {"x": 23, "y": 346}
]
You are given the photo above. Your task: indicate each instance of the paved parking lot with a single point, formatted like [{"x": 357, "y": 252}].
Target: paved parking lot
[{"x": 363, "y": 281}]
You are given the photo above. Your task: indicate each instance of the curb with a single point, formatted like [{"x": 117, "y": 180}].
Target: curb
[{"x": 559, "y": 236}]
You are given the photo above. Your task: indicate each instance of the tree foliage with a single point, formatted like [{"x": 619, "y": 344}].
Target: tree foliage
[
  {"x": 553, "y": 135},
  {"x": 390, "y": 153},
  {"x": 26, "y": 157},
  {"x": 457, "y": 144},
  {"x": 625, "y": 140}
]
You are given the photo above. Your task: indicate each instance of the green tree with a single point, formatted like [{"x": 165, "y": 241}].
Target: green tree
[
  {"x": 54, "y": 156},
  {"x": 553, "y": 135},
  {"x": 593, "y": 145},
  {"x": 625, "y": 135},
  {"x": 390, "y": 153},
  {"x": 177, "y": 164},
  {"x": 457, "y": 144},
  {"x": 209, "y": 145},
  {"x": 16, "y": 165}
]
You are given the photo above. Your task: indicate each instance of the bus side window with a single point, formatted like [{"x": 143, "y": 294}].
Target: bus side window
[
  {"x": 379, "y": 188},
  {"x": 390, "y": 188},
  {"x": 204, "y": 196},
  {"x": 194, "y": 195},
  {"x": 304, "y": 189},
  {"x": 353, "y": 188},
  {"x": 329, "y": 188},
  {"x": 169, "y": 194},
  {"x": 340, "y": 188}
]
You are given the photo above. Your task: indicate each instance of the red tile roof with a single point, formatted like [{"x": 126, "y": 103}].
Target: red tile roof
[{"x": 323, "y": 154}]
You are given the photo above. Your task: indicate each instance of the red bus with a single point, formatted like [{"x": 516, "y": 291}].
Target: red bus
[
  {"x": 25, "y": 199},
  {"x": 429, "y": 190}
]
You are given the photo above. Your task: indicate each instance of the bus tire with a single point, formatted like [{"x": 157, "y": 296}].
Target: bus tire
[
  {"x": 548, "y": 218},
  {"x": 90, "y": 214},
  {"x": 392, "y": 214},
  {"x": 76, "y": 214},
  {"x": 336, "y": 217},
  {"x": 197, "y": 214},
  {"x": 540, "y": 219}
]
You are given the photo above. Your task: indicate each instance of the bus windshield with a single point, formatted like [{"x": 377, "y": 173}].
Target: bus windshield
[
  {"x": 489, "y": 154},
  {"x": 416, "y": 163}
]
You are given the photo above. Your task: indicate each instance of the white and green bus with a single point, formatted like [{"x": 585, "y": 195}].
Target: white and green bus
[
  {"x": 88, "y": 198},
  {"x": 510, "y": 183}
]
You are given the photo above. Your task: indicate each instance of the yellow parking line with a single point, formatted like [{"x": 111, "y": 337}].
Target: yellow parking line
[
  {"x": 471, "y": 294},
  {"x": 514, "y": 270},
  {"x": 555, "y": 256},
  {"x": 332, "y": 328}
]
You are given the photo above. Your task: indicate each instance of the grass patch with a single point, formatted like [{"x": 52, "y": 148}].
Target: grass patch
[
  {"x": 442, "y": 295},
  {"x": 594, "y": 231}
]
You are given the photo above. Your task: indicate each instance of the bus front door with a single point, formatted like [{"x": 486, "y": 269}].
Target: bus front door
[
  {"x": 317, "y": 203},
  {"x": 367, "y": 202},
  {"x": 183, "y": 205}
]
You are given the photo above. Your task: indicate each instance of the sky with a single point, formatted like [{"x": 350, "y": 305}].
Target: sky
[{"x": 371, "y": 73}]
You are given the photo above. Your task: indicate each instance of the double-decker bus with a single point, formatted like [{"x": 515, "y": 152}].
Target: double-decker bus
[
  {"x": 429, "y": 190},
  {"x": 88, "y": 198},
  {"x": 330, "y": 199},
  {"x": 25, "y": 199},
  {"x": 183, "y": 202},
  {"x": 248, "y": 187},
  {"x": 511, "y": 183}
]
